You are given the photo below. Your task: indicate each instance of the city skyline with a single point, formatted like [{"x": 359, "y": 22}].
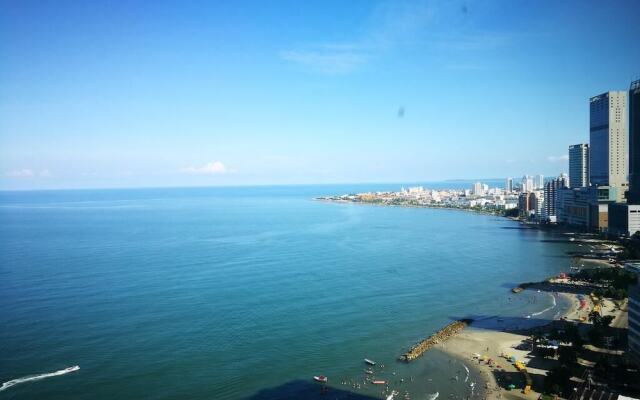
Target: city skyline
[{"x": 138, "y": 95}]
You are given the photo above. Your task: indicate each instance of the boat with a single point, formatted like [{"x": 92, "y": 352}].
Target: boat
[
  {"x": 378, "y": 382},
  {"x": 321, "y": 379},
  {"x": 392, "y": 395},
  {"x": 369, "y": 361},
  {"x": 368, "y": 371}
]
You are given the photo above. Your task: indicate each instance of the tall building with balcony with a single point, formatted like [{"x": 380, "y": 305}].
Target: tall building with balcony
[
  {"x": 527, "y": 184},
  {"x": 478, "y": 189},
  {"x": 579, "y": 165},
  {"x": 608, "y": 143},
  {"x": 538, "y": 182},
  {"x": 624, "y": 219},
  {"x": 607, "y": 155},
  {"x": 508, "y": 185},
  {"x": 572, "y": 207},
  {"x": 633, "y": 196},
  {"x": 551, "y": 190}
]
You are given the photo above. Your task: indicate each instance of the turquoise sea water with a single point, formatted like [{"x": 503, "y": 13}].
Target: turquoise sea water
[{"x": 237, "y": 293}]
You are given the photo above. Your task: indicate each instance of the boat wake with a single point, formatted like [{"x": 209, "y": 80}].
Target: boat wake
[
  {"x": 434, "y": 396},
  {"x": 546, "y": 309},
  {"x": 31, "y": 378},
  {"x": 466, "y": 369}
]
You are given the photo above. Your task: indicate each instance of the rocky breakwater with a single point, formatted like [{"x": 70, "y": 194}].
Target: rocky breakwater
[{"x": 438, "y": 337}]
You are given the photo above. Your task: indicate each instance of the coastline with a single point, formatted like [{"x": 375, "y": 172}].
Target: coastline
[
  {"x": 496, "y": 343},
  {"x": 434, "y": 207},
  {"x": 493, "y": 344}
]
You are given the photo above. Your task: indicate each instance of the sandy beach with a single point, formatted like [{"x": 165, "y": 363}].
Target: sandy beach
[
  {"x": 491, "y": 344},
  {"x": 494, "y": 344}
]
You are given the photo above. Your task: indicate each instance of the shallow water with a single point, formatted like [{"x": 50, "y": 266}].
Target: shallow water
[{"x": 233, "y": 293}]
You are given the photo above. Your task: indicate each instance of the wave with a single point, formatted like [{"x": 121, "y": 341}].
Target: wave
[
  {"x": 31, "y": 378},
  {"x": 546, "y": 309},
  {"x": 467, "y": 369},
  {"x": 434, "y": 396}
]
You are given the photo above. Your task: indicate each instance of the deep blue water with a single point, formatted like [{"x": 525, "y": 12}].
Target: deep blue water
[{"x": 232, "y": 293}]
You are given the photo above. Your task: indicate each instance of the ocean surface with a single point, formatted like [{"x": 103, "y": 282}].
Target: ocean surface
[{"x": 248, "y": 292}]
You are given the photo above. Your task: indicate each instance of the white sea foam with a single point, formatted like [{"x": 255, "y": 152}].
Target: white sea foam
[
  {"x": 31, "y": 378},
  {"x": 466, "y": 369},
  {"x": 434, "y": 396},
  {"x": 546, "y": 309}
]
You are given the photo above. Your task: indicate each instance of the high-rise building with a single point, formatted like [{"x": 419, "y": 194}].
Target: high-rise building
[
  {"x": 608, "y": 144},
  {"x": 579, "y": 165},
  {"x": 551, "y": 190},
  {"x": 633, "y": 196},
  {"x": 527, "y": 204},
  {"x": 538, "y": 182},
  {"x": 572, "y": 207},
  {"x": 508, "y": 187},
  {"x": 624, "y": 219},
  {"x": 527, "y": 184},
  {"x": 478, "y": 189}
]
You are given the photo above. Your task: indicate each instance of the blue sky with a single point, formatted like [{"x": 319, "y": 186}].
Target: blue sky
[{"x": 163, "y": 93}]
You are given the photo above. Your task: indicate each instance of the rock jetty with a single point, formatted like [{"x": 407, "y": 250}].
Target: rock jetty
[{"x": 438, "y": 337}]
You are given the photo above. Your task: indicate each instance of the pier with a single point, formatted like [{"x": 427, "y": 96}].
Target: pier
[{"x": 438, "y": 337}]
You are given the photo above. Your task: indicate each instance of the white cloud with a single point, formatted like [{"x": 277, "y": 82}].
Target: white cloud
[
  {"x": 28, "y": 173},
  {"x": 561, "y": 158},
  {"x": 210, "y": 168},
  {"x": 327, "y": 60},
  {"x": 393, "y": 24}
]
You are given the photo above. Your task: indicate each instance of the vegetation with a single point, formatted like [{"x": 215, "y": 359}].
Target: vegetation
[
  {"x": 600, "y": 322},
  {"x": 511, "y": 213},
  {"x": 632, "y": 246},
  {"x": 617, "y": 281}
]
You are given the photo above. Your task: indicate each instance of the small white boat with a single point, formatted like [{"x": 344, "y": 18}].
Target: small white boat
[
  {"x": 321, "y": 379},
  {"x": 369, "y": 361},
  {"x": 392, "y": 395}
]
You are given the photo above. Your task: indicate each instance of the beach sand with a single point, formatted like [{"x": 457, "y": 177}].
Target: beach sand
[
  {"x": 477, "y": 341},
  {"x": 494, "y": 344}
]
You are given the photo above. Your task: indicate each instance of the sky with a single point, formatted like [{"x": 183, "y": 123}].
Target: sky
[{"x": 157, "y": 93}]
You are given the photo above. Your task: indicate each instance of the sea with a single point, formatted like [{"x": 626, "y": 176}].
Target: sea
[{"x": 250, "y": 292}]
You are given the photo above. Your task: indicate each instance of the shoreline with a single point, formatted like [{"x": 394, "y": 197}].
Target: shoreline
[
  {"x": 365, "y": 203},
  {"x": 493, "y": 344}
]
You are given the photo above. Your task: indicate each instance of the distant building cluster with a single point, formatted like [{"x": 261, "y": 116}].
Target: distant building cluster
[
  {"x": 479, "y": 197},
  {"x": 536, "y": 198}
]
